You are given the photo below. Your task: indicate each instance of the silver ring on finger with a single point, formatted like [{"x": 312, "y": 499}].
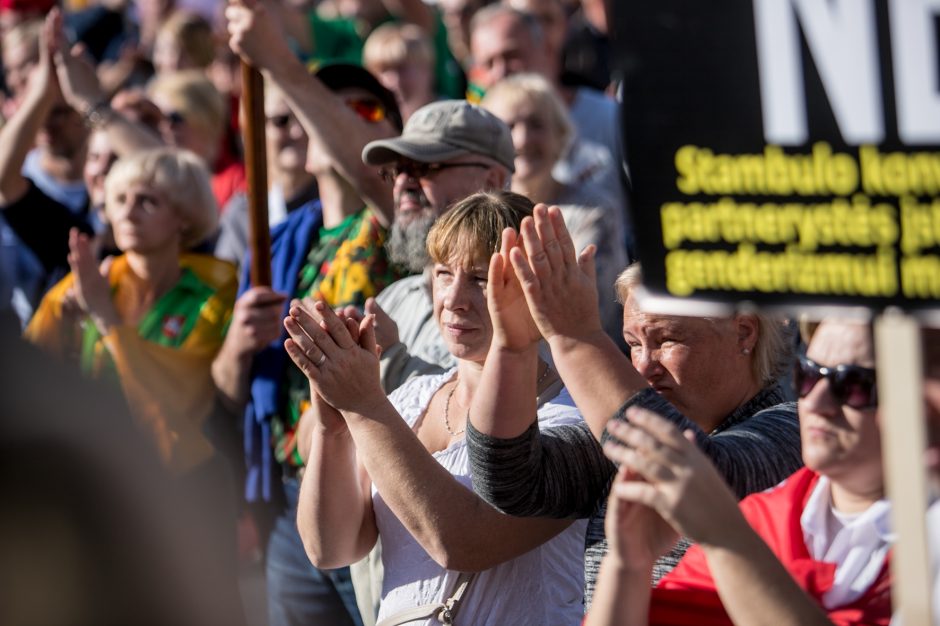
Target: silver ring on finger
[{"x": 321, "y": 360}]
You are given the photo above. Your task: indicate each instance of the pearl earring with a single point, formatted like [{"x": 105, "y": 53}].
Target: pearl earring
[{"x": 746, "y": 351}]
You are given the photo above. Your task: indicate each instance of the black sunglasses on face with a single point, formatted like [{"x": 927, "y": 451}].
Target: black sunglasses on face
[
  {"x": 419, "y": 171},
  {"x": 851, "y": 385}
]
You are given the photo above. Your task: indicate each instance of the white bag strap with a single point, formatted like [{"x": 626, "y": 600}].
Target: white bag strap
[{"x": 445, "y": 612}]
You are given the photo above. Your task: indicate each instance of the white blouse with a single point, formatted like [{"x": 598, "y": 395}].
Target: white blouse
[{"x": 542, "y": 586}]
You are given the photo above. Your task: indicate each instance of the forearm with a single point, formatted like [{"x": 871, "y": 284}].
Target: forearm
[
  {"x": 231, "y": 374},
  {"x": 17, "y": 138},
  {"x": 504, "y": 403},
  {"x": 456, "y": 528},
  {"x": 335, "y": 524},
  {"x": 621, "y": 597},
  {"x": 560, "y": 472},
  {"x": 337, "y": 129},
  {"x": 598, "y": 376},
  {"x": 754, "y": 586}
]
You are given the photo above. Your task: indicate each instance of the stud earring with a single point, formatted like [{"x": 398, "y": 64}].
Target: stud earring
[{"x": 746, "y": 351}]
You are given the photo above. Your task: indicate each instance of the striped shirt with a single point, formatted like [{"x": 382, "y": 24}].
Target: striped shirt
[{"x": 562, "y": 472}]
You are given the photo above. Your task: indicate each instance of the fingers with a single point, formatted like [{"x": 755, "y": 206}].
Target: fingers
[
  {"x": 300, "y": 358},
  {"x": 494, "y": 280},
  {"x": 367, "y": 336},
  {"x": 538, "y": 258},
  {"x": 658, "y": 427},
  {"x": 304, "y": 341},
  {"x": 333, "y": 325},
  {"x": 586, "y": 263},
  {"x": 311, "y": 327},
  {"x": 373, "y": 307},
  {"x": 546, "y": 233},
  {"x": 565, "y": 242},
  {"x": 635, "y": 491}
]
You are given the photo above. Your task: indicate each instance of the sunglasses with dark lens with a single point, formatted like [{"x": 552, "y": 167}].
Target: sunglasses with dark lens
[
  {"x": 851, "y": 385},
  {"x": 370, "y": 110},
  {"x": 174, "y": 118},
  {"x": 279, "y": 121},
  {"x": 418, "y": 171}
]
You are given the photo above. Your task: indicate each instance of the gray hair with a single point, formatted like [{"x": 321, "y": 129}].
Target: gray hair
[{"x": 181, "y": 177}]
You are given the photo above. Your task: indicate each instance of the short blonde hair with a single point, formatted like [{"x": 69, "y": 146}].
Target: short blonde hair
[
  {"x": 776, "y": 338},
  {"x": 472, "y": 229},
  {"x": 528, "y": 87},
  {"x": 177, "y": 175},
  {"x": 192, "y": 33},
  {"x": 390, "y": 45},
  {"x": 194, "y": 97}
]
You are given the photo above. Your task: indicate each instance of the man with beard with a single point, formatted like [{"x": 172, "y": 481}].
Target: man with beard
[
  {"x": 453, "y": 150},
  {"x": 447, "y": 151}
]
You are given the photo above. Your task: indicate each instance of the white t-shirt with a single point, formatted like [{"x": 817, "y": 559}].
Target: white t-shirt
[{"x": 543, "y": 586}]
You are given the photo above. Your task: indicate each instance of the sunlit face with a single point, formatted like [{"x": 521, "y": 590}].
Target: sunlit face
[
  {"x": 839, "y": 441},
  {"x": 430, "y": 195},
  {"x": 180, "y": 131},
  {"x": 98, "y": 162},
  {"x": 695, "y": 363},
  {"x": 459, "y": 294},
  {"x": 142, "y": 220},
  {"x": 503, "y": 47},
  {"x": 534, "y": 136},
  {"x": 551, "y": 17},
  {"x": 411, "y": 81}
]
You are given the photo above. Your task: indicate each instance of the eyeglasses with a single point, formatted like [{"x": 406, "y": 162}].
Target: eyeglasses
[
  {"x": 174, "y": 118},
  {"x": 370, "y": 110},
  {"x": 280, "y": 121},
  {"x": 418, "y": 171},
  {"x": 851, "y": 385}
]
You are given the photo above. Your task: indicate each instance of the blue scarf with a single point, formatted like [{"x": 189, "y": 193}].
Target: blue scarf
[{"x": 290, "y": 244}]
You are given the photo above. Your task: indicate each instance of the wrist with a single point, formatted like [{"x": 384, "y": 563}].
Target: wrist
[
  {"x": 97, "y": 114},
  {"x": 565, "y": 342}
]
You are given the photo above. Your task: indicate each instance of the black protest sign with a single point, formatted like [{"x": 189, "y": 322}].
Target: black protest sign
[{"x": 784, "y": 151}]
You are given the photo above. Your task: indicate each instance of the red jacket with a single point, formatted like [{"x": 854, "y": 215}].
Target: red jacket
[{"x": 687, "y": 595}]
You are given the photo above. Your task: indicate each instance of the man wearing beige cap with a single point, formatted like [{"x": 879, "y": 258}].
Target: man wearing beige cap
[{"x": 447, "y": 151}]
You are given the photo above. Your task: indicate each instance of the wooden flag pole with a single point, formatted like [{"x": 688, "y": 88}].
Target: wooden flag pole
[{"x": 256, "y": 170}]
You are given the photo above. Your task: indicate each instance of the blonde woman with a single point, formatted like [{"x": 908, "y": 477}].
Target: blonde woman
[
  {"x": 396, "y": 467},
  {"x": 154, "y": 319},
  {"x": 194, "y": 118}
]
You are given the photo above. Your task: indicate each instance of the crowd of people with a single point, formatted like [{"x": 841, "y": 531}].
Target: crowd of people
[{"x": 450, "y": 404}]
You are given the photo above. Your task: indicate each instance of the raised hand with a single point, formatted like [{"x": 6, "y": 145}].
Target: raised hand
[
  {"x": 513, "y": 326},
  {"x": 679, "y": 481},
  {"x": 76, "y": 73},
  {"x": 559, "y": 286},
  {"x": 254, "y": 35},
  {"x": 92, "y": 292},
  {"x": 636, "y": 534},
  {"x": 341, "y": 370}
]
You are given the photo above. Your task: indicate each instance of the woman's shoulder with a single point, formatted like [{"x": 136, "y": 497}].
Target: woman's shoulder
[{"x": 414, "y": 395}]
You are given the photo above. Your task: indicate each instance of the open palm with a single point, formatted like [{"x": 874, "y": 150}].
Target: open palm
[{"x": 513, "y": 326}]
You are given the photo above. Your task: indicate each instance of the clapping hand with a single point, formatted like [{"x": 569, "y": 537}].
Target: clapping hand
[
  {"x": 92, "y": 292},
  {"x": 339, "y": 357},
  {"x": 678, "y": 480},
  {"x": 513, "y": 326},
  {"x": 559, "y": 285}
]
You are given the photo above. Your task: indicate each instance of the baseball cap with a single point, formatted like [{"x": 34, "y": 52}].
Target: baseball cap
[
  {"x": 446, "y": 130},
  {"x": 338, "y": 76}
]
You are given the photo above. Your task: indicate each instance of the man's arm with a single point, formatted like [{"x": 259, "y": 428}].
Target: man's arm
[
  {"x": 256, "y": 322},
  {"x": 322, "y": 113}
]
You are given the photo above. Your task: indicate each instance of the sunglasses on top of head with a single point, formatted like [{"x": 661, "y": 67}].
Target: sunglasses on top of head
[
  {"x": 368, "y": 109},
  {"x": 852, "y": 385}
]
